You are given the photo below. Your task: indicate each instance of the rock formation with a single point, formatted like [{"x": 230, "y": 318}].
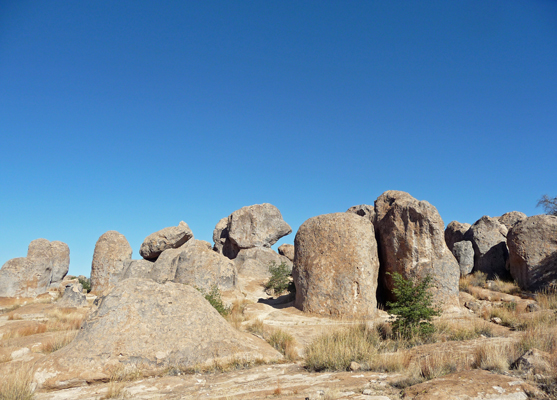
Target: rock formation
[
  {"x": 138, "y": 269},
  {"x": 45, "y": 266},
  {"x": 287, "y": 250},
  {"x": 364, "y": 210},
  {"x": 411, "y": 242},
  {"x": 464, "y": 254},
  {"x": 489, "y": 238},
  {"x": 260, "y": 225},
  {"x": 454, "y": 233},
  {"x": 73, "y": 296},
  {"x": 111, "y": 250},
  {"x": 149, "y": 325},
  {"x": 533, "y": 252},
  {"x": 336, "y": 266},
  {"x": 167, "y": 238},
  {"x": 511, "y": 218}
]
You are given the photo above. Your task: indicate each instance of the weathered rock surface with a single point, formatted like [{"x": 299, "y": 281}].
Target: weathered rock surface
[
  {"x": 455, "y": 233},
  {"x": 260, "y": 225},
  {"x": 475, "y": 384},
  {"x": 73, "y": 296},
  {"x": 148, "y": 325},
  {"x": 411, "y": 242},
  {"x": 336, "y": 265},
  {"x": 534, "y": 361},
  {"x": 138, "y": 269},
  {"x": 111, "y": 250},
  {"x": 533, "y": 252},
  {"x": 45, "y": 266},
  {"x": 464, "y": 254},
  {"x": 489, "y": 238},
  {"x": 167, "y": 238},
  {"x": 511, "y": 218},
  {"x": 287, "y": 250},
  {"x": 364, "y": 210}
]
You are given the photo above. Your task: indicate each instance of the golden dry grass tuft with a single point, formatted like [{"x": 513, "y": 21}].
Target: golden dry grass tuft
[
  {"x": 17, "y": 385},
  {"x": 236, "y": 315},
  {"x": 495, "y": 356},
  {"x": 66, "y": 319},
  {"x": 547, "y": 299},
  {"x": 477, "y": 279},
  {"x": 116, "y": 390},
  {"x": 279, "y": 339},
  {"x": 59, "y": 341}
]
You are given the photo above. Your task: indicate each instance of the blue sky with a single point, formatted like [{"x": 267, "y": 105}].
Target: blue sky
[{"x": 135, "y": 115}]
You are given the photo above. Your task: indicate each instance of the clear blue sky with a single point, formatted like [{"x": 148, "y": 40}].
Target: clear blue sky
[{"x": 134, "y": 115}]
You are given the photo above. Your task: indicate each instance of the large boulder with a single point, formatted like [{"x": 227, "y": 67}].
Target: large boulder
[
  {"x": 511, "y": 218},
  {"x": 167, "y": 238},
  {"x": 45, "y": 266},
  {"x": 364, "y": 210},
  {"x": 464, "y": 254},
  {"x": 489, "y": 238},
  {"x": 287, "y": 250},
  {"x": 336, "y": 266},
  {"x": 148, "y": 326},
  {"x": 411, "y": 242},
  {"x": 73, "y": 296},
  {"x": 111, "y": 250},
  {"x": 455, "y": 233},
  {"x": 260, "y": 225},
  {"x": 138, "y": 269},
  {"x": 533, "y": 252}
]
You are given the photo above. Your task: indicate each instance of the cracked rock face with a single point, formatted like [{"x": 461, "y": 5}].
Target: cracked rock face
[
  {"x": 167, "y": 238},
  {"x": 148, "y": 325},
  {"x": 336, "y": 265},
  {"x": 412, "y": 243},
  {"x": 45, "y": 266}
]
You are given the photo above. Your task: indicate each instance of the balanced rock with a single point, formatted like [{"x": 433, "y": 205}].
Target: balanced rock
[
  {"x": 111, "y": 250},
  {"x": 533, "y": 252},
  {"x": 167, "y": 238},
  {"x": 45, "y": 266},
  {"x": 336, "y": 265},
  {"x": 73, "y": 296},
  {"x": 489, "y": 238},
  {"x": 151, "y": 326},
  {"x": 260, "y": 225},
  {"x": 287, "y": 250},
  {"x": 464, "y": 254},
  {"x": 511, "y": 218},
  {"x": 455, "y": 233},
  {"x": 364, "y": 210},
  {"x": 411, "y": 242}
]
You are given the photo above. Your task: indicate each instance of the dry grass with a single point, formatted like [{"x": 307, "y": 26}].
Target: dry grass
[
  {"x": 279, "y": 339},
  {"x": 66, "y": 319},
  {"x": 57, "y": 342},
  {"x": 495, "y": 356},
  {"x": 477, "y": 279},
  {"x": 461, "y": 330},
  {"x": 503, "y": 286},
  {"x": 547, "y": 299},
  {"x": 25, "y": 331},
  {"x": 236, "y": 315},
  {"x": 17, "y": 385},
  {"x": 116, "y": 390}
]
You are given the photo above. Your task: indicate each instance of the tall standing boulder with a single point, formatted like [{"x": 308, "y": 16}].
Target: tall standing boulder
[
  {"x": 111, "y": 251},
  {"x": 489, "y": 238},
  {"x": 152, "y": 326},
  {"x": 260, "y": 225},
  {"x": 533, "y": 252},
  {"x": 336, "y": 265},
  {"x": 464, "y": 254},
  {"x": 167, "y": 238},
  {"x": 455, "y": 232},
  {"x": 45, "y": 266},
  {"x": 411, "y": 242},
  {"x": 511, "y": 218}
]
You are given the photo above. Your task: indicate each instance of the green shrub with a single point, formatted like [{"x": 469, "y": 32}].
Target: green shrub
[
  {"x": 86, "y": 283},
  {"x": 214, "y": 298},
  {"x": 413, "y": 308},
  {"x": 280, "y": 280}
]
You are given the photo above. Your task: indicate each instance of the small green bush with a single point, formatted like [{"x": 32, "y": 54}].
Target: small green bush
[
  {"x": 413, "y": 308},
  {"x": 280, "y": 280},
  {"x": 214, "y": 298},
  {"x": 86, "y": 283}
]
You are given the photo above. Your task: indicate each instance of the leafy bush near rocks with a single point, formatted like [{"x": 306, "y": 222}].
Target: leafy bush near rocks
[
  {"x": 280, "y": 280},
  {"x": 413, "y": 308},
  {"x": 86, "y": 283},
  {"x": 214, "y": 298}
]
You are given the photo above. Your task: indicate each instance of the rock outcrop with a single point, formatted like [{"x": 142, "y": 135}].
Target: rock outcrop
[
  {"x": 45, "y": 266},
  {"x": 336, "y": 266},
  {"x": 287, "y": 250},
  {"x": 73, "y": 296},
  {"x": 364, "y": 210},
  {"x": 533, "y": 252},
  {"x": 111, "y": 251},
  {"x": 455, "y": 232},
  {"x": 511, "y": 218},
  {"x": 489, "y": 238},
  {"x": 167, "y": 238},
  {"x": 411, "y": 242},
  {"x": 260, "y": 225},
  {"x": 138, "y": 269},
  {"x": 147, "y": 325},
  {"x": 464, "y": 254}
]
